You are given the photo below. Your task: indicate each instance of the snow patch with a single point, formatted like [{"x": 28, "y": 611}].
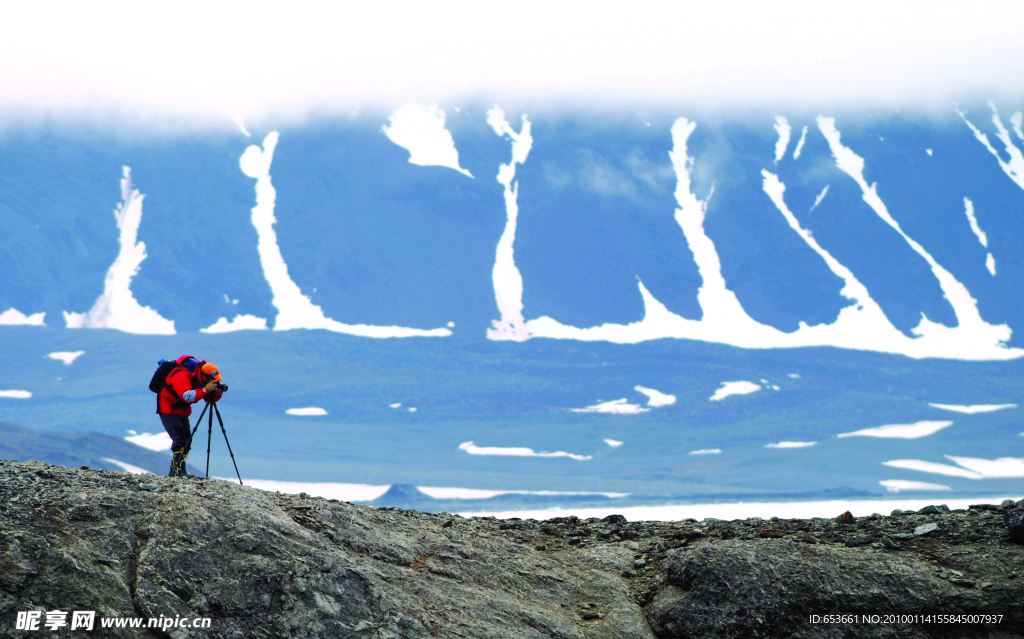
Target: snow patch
[
  {"x": 817, "y": 200},
  {"x": 15, "y": 394},
  {"x": 974, "y": 409},
  {"x": 153, "y": 441},
  {"x": 135, "y": 470},
  {"x": 899, "y": 485},
  {"x": 117, "y": 307},
  {"x": 396, "y": 405},
  {"x": 737, "y": 510},
  {"x": 790, "y": 445},
  {"x": 784, "y": 130},
  {"x": 421, "y": 131},
  {"x": 14, "y": 317},
  {"x": 932, "y": 467},
  {"x": 614, "y": 443},
  {"x": 508, "y": 281},
  {"x": 734, "y": 388},
  {"x": 341, "y": 492},
  {"x": 706, "y": 451},
  {"x": 800, "y": 144},
  {"x": 928, "y": 151},
  {"x": 990, "y": 264},
  {"x": 472, "y": 449},
  {"x": 476, "y": 493},
  {"x": 900, "y": 431},
  {"x": 66, "y": 356},
  {"x": 994, "y": 468},
  {"x": 616, "y": 406},
  {"x": 311, "y": 411},
  {"x": 240, "y": 323},
  {"x": 655, "y": 398},
  {"x": 295, "y": 310}
]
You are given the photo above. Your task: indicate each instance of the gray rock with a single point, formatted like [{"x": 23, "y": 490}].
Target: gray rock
[
  {"x": 924, "y": 529},
  {"x": 270, "y": 565},
  {"x": 1014, "y": 520}
]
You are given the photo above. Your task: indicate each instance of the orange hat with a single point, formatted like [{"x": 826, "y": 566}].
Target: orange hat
[{"x": 212, "y": 371}]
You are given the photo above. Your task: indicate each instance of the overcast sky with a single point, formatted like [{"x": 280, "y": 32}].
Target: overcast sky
[{"x": 190, "y": 62}]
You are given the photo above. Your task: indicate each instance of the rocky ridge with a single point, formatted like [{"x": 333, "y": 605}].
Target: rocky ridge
[{"x": 262, "y": 564}]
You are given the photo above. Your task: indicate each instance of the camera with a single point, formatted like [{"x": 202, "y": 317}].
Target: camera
[{"x": 222, "y": 387}]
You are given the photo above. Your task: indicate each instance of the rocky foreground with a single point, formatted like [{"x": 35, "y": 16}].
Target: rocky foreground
[{"x": 262, "y": 564}]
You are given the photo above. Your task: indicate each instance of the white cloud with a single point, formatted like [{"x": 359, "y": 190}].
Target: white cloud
[
  {"x": 66, "y": 356},
  {"x": 900, "y": 431},
  {"x": 613, "y": 443},
  {"x": 473, "y": 449},
  {"x": 15, "y": 394},
  {"x": 706, "y": 451},
  {"x": 242, "y": 60},
  {"x": 311, "y": 411}
]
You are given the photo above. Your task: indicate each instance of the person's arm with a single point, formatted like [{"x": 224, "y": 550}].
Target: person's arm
[{"x": 192, "y": 395}]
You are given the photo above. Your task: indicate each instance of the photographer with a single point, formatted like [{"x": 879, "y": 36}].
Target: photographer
[{"x": 188, "y": 382}]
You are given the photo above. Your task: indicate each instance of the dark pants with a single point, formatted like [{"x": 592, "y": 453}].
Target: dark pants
[{"x": 179, "y": 430}]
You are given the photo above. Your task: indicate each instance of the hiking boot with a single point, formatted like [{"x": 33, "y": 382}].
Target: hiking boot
[{"x": 178, "y": 464}]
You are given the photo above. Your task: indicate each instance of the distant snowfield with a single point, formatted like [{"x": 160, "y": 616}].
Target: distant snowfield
[
  {"x": 900, "y": 485},
  {"x": 341, "y": 492},
  {"x": 160, "y": 442},
  {"x": 116, "y": 306},
  {"x": 295, "y": 310},
  {"x": 790, "y": 445},
  {"x": 14, "y": 317},
  {"x": 900, "y": 431},
  {"x": 420, "y": 131},
  {"x": 473, "y": 449},
  {"x": 474, "y": 493},
  {"x": 66, "y": 356},
  {"x": 862, "y": 325},
  {"x": 128, "y": 468},
  {"x": 614, "y": 443},
  {"x": 15, "y": 394},
  {"x": 971, "y": 410},
  {"x": 312, "y": 411},
  {"x": 734, "y": 388},
  {"x": 968, "y": 467},
  {"x": 616, "y": 406},
  {"x": 742, "y": 510},
  {"x": 240, "y": 323},
  {"x": 706, "y": 451}
]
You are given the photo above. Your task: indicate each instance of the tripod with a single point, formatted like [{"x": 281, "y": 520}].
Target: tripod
[{"x": 209, "y": 435}]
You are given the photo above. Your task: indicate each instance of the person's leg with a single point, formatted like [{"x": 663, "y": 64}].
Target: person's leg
[{"x": 178, "y": 428}]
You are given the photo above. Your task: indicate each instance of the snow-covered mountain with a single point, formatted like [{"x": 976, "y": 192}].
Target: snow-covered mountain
[
  {"x": 891, "y": 234},
  {"x": 655, "y": 303}
]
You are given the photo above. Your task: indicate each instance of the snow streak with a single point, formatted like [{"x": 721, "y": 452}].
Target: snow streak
[
  {"x": 295, "y": 310},
  {"x": 117, "y": 307}
]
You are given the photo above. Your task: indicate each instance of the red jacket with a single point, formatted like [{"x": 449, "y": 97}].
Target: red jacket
[{"x": 181, "y": 380}]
